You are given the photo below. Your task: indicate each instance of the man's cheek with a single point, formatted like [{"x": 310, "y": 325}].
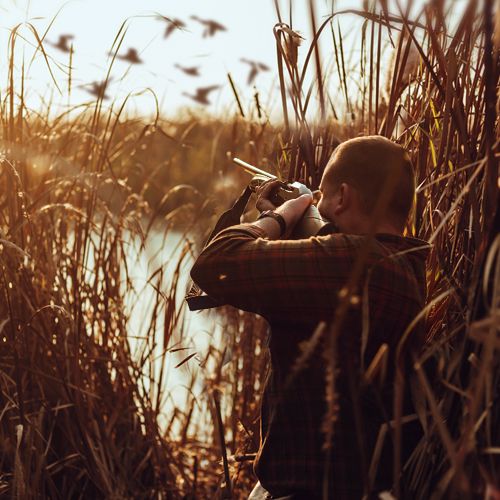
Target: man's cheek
[{"x": 323, "y": 209}]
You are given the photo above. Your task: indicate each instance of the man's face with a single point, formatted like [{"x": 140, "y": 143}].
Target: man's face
[{"x": 330, "y": 196}]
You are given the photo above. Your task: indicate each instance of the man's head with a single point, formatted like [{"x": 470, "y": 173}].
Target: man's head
[{"x": 364, "y": 176}]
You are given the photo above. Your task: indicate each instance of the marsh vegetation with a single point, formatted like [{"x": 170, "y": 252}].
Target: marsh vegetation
[{"x": 82, "y": 398}]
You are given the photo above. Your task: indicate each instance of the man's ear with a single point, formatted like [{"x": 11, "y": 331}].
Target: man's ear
[{"x": 344, "y": 199}]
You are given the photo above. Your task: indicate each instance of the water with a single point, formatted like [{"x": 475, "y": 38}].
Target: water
[{"x": 194, "y": 333}]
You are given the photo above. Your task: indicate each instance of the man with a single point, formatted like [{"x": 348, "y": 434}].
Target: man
[{"x": 367, "y": 191}]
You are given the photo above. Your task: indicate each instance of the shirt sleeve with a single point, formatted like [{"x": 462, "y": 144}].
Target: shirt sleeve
[{"x": 274, "y": 277}]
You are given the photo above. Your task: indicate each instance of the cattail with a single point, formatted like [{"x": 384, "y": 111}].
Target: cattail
[
  {"x": 409, "y": 72},
  {"x": 291, "y": 41}
]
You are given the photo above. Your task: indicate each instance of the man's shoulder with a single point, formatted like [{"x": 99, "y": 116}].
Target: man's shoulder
[
  {"x": 339, "y": 238},
  {"x": 400, "y": 246},
  {"x": 382, "y": 248},
  {"x": 359, "y": 239},
  {"x": 388, "y": 240},
  {"x": 338, "y": 243}
]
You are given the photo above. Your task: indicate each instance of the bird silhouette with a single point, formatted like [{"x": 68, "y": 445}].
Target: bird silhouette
[
  {"x": 62, "y": 43},
  {"x": 172, "y": 25},
  {"x": 255, "y": 68},
  {"x": 201, "y": 95},
  {"x": 131, "y": 56},
  {"x": 211, "y": 27},
  {"x": 192, "y": 71},
  {"x": 98, "y": 89}
]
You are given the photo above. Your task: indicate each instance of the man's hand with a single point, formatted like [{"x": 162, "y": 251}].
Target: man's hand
[
  {"x": 264, "y": 193},
  {"x": 293, "y": 210}
]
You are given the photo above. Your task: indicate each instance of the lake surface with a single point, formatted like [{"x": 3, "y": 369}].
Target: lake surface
[{"x": 196, "y": 332}]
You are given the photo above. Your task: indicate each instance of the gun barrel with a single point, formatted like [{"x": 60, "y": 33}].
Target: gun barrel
[{"x": 253, "y": 170}]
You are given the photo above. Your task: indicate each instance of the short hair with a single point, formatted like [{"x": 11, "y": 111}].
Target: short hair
[{"x": 368, "y": 163}]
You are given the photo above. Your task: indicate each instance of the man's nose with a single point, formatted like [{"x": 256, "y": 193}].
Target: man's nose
[{"x": 316, "y": 196}]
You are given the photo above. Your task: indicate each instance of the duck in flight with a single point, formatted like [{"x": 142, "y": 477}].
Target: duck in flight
[
  {"x": 131, "y": 56},
  {"x": 62, "y": 43},
  {"x": 172, "y": 25},
  {"x": 191, "y": 71},
  {"x": 211, "y": 26},
  {"x": 255, "y": 68},
  {"x": 98, "y": 89},
  {"x": 201, "y": 95}
]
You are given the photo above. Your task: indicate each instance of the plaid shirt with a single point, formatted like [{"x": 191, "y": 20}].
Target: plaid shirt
[{"x": 294, "y": 284}]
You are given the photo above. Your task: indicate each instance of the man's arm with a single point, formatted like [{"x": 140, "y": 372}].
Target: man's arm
[{"x": 243, "y": 268}]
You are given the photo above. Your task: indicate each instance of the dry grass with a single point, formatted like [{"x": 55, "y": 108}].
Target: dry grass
[
  {"x": 82, "y": 404},
  {"x": 442, "y": 109}
]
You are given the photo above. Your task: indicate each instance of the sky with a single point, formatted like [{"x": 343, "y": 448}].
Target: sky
[{"x": 94, "y": 25}]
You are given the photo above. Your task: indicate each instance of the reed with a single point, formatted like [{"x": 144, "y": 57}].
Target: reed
[
  {"x": 80, "y": 397},
  {"x": 84, "y": 409},
  {"x": 84, "y": 406},
  {"x": 440, "y": 104}
]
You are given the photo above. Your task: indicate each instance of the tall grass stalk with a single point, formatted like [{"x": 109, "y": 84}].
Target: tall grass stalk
[
  {"x": 441, "y": 107},
  {"x": 83, "y": 406}
]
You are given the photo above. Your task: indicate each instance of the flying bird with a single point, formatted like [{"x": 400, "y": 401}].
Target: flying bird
[
  {"x": 201, "y": 95},
  {"x": 172, "y": 25},
  {"x": 62, "y": 44},
  {"x": 131, "y": 56},
  {"x": 211, "y": 27},
  {"x": 98, "y": 89},
  {"x": 255, "y": 68},
  {"x": 192, "y": 71}
]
